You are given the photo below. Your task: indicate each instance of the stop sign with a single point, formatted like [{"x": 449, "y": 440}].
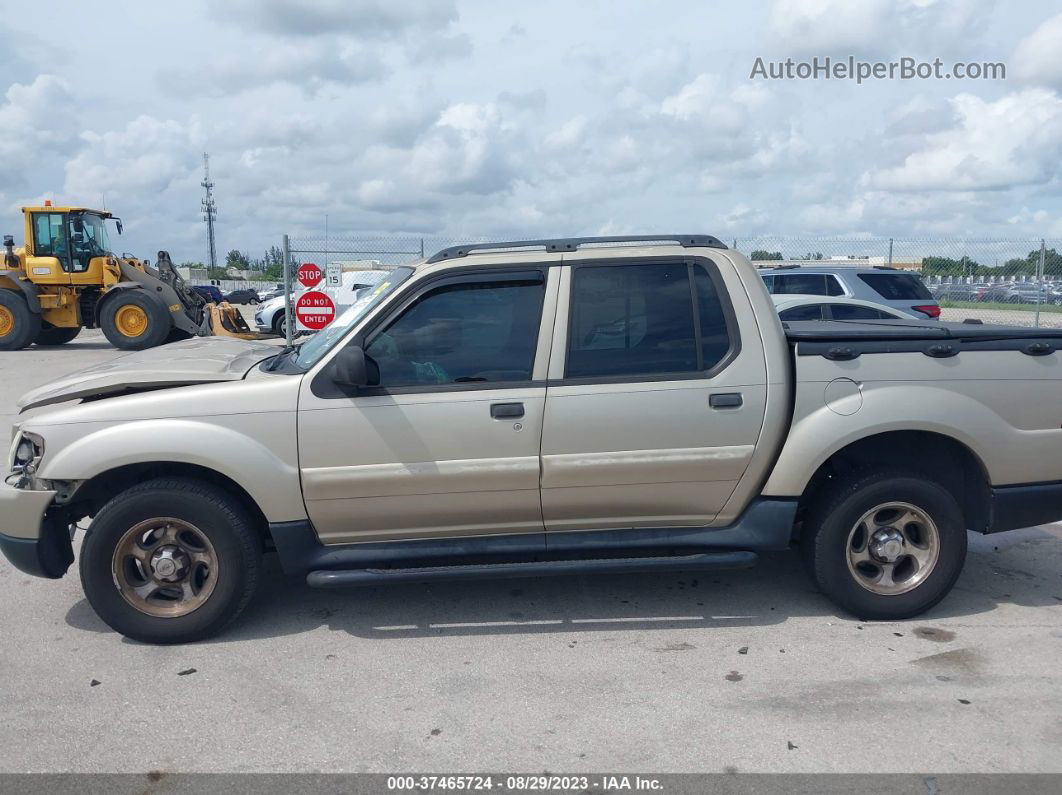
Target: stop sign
[
  {"x": 309, "y": 275},
  {"x": 314, "y": 310}
]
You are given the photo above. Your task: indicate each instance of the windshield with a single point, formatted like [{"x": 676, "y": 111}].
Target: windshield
[
  {"x": 94, "y": 239},
  {"x": 322, "y": 342}
]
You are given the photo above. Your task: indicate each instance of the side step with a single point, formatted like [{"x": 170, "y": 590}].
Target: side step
[{"x": 543, "y": 568}]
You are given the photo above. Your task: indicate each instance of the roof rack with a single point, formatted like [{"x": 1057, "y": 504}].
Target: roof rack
[{"x": 573, "y": 243}]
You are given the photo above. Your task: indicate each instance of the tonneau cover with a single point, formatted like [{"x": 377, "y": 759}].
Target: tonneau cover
[{"x": 867, "y": 330}]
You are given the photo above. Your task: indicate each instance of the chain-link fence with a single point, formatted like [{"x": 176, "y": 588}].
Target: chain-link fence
[{"x": 1012, "y": 282}]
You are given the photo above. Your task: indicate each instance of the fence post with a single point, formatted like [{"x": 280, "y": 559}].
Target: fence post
[
  {"x": 288, "y": 331},
  {"x": 422, "y": 248},
  {"x": 1040, "y": 280},
  {"x": 890, "y": 252}
]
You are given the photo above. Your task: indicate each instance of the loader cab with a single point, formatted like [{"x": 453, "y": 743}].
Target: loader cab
[{"x": 66, "y": 246}]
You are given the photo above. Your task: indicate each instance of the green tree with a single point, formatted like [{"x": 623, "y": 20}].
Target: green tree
[
  {"x": 237, "y": 259},
  {"x": 765, "y": 255}
]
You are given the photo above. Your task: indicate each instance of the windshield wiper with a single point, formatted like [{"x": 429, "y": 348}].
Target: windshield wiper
[{"x": 281, "y": 355}]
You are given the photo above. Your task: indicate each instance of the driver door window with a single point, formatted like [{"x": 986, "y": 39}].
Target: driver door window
[
  {"x": 464, "y": 333},
  {"x": 49, "y": 238}
]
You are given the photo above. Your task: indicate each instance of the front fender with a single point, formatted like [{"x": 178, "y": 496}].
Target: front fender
[
  {"x": 1008, "y": 454},
  {"x": 272, "y": 481}
]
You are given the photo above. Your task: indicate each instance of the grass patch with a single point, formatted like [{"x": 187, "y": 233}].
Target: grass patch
[{"x": 995, "y": 306}]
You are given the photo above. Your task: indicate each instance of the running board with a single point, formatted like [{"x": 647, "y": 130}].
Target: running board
[{"x": 538, "y": 568}]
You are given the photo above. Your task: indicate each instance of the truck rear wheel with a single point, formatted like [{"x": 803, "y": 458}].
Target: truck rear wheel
[
  {"x": 885, "y": 544},
  {"x": 55, "y": 335},
  {"x": 19, "y": 325},
  {"x": 171, "y": 560},
  {"x": 134, "y": 320}
]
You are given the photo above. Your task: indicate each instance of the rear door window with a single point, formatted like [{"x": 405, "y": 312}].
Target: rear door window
[
  {"x": 806, "y": 312},
  {"x": 855, "y": 312},
  {"x": 897, "y": 286},
  {"x": 644, "y": 320},
  {"x": 805, "y": 284}
]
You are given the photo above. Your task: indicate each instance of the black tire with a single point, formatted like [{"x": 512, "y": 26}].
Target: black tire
[
  {"x": 252, "y": 301},
  {"x": 217, "y": 515},
  {"x": 19, "y": 326},
  {"x": 158, "y": 320},
  {"x": 55, "y": 335},
  {"x": 278, "y": 323},
  {"x": 825, "y": 538}
]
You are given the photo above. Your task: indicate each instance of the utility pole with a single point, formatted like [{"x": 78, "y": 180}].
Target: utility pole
[{"x": 210, "y": 210}]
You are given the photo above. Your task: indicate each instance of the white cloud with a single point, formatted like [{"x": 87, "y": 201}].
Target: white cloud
[
  {"x": 363, "y": 18},
  {"x": 308, "y": 68},
  {"x": 1016, "y": 140},
  {"x": 1038, "y": 57},
  {"x": 36, "y": 117},
  {"x": 142, "y": 160},
  {"x": 874, "y": 27}
]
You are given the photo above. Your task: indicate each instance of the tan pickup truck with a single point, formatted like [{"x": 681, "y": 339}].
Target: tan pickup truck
[{"x": 532, "y": 408}]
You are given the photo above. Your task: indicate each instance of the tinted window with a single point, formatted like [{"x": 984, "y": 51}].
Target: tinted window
[
  {"x": 639, "y": 320},
  {"x": 850, "y": 312},
  {"x": 897, "y": 286},
  {"x": 807, "y": 312},
  {"x": 833, "y": 287},
  {"x": 801, "y": 284},
  {"x": 462, "y": 333},
  {"x": 715, "y": 336},
  {"x": 49, "y": 238}
]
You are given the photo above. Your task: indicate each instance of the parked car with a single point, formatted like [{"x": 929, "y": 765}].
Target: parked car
[
  {"x": 270, "y": 316},
  {"x": 901, "y": 290},
  {"x": 527, "y": 409},
  {"x": 815, "y": 307},
  {"x": 244, "y": 295},
  {"x": 269, "y": 296},
  {"x": 210, "y": 292},
  {"x": 958, "y": 292}
]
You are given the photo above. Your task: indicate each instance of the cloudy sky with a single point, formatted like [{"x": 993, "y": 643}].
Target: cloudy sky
[{"x": 489, "y": 119}]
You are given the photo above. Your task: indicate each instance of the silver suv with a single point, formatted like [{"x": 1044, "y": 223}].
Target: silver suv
[{"x": 900, "y": 290}]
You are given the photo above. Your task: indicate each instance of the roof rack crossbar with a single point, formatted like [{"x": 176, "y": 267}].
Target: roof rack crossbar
[{"x": 573, "y": 243}]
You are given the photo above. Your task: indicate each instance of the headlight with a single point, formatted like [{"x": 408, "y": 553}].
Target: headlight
[{"x": 28, "y": 452}]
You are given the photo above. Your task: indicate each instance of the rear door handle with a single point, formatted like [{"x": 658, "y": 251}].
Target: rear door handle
[
  {"x": 725, "y": 400},
  {"x": 506, "y": 411}
]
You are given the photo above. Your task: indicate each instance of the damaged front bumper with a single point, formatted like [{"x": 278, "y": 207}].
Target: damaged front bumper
[{"x": 34, "y": 542}]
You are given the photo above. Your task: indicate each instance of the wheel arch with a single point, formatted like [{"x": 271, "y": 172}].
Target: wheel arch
[
  {"x": 942, "y": 458},
  {"x": 93, "y": 493},
  {"x": 218, "y": 455}
]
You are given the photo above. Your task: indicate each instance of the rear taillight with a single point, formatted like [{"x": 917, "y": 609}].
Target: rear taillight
[{"x": 928, "y": 309}]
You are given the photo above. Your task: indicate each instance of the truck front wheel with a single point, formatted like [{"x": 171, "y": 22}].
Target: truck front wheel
[
  {"x": 886, "y": 544},
  {"x": 134, "y": 320},
  {"x": 171, "y": 560}
]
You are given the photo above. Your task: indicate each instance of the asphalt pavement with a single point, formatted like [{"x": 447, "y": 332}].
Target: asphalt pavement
[{"x": 708, "y": 672}]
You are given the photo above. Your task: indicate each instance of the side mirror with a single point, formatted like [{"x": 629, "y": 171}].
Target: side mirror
[
  {"x": 118, "y": 225},
  {"x": 351, "y": 368}
]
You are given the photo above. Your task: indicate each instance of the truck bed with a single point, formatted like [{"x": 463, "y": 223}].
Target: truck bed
[{"x": 846, "y": 339}]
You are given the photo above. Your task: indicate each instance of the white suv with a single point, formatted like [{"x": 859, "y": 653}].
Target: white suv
[{"x": 899, "y": 290}]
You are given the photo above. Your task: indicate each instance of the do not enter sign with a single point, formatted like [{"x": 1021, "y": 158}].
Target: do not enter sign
[
  {"x": 309, "y": 275},
  {"x": 314, "y": 310}
]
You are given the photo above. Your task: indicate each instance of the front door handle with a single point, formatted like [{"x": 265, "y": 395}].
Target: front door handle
[
  {"x": 725, "y": 400},
  {"x": 506, "y": 411}
]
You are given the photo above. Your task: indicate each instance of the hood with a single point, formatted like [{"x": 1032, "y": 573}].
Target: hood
[{"x": 196, "y": 361}]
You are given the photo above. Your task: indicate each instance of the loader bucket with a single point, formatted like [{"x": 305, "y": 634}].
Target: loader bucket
[{"x": 226, "y": 321}]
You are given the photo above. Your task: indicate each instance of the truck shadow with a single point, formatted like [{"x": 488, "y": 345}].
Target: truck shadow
[{"x": 1020, "y": 568}]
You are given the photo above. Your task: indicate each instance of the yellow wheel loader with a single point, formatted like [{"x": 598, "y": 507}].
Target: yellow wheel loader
[{"x": 66, "y": 277}]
